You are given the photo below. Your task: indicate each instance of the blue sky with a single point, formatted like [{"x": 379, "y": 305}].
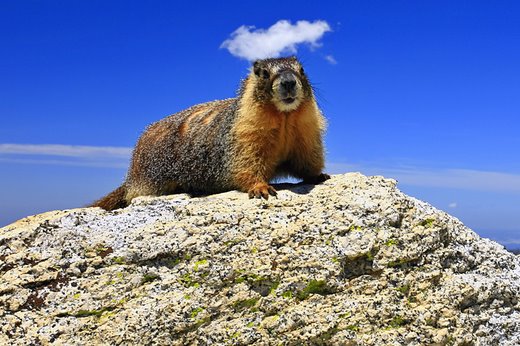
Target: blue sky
[{"x": 426, "y": 92}]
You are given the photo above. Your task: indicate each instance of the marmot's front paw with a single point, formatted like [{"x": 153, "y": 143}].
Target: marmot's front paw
[
  {"x": 320, "y": 178},
  {"x": 261, "y": 190}
]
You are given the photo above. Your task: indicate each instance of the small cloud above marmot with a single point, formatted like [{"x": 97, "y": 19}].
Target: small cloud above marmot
[{"x": 281, "y": 38}]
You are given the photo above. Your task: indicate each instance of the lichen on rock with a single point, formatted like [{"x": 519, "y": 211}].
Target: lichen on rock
[{"x": 352, "y": 261}]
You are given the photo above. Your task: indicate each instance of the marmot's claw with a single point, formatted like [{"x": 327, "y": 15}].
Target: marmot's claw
[
  {"x": 262, "y": 190},
  {"x": 323, "y": 177},
  {"x": 320, "y": 178}
]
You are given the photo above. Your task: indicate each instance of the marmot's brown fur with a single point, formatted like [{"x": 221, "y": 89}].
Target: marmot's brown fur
[{"x": 272, "y": 128}]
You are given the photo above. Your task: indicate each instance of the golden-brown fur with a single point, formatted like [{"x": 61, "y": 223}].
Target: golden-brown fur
[{"x": 268, "y": 137}]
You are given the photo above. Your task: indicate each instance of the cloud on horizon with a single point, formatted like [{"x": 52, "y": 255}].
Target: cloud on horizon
[
  {"x": 510, "y": 242},
  {"x": 67, "y": 155},
  {"x": 251, "y": 44},
  {"x": 446, "y": 177}
]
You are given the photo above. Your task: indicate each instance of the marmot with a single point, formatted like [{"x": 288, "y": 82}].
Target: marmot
[{"x": 272, "y": 128}]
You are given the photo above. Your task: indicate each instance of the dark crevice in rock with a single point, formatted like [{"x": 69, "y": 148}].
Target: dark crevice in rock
[
  {"x": 51, "y": 284},
  {"x": 6, "y": 267},
  {"x": 34, "y": 301},
  {"x": 362, "y": 265},
  {"x": 163, "y": 259}
]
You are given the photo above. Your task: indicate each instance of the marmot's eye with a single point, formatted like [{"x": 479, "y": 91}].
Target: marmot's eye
[{"x": 261, "y": 72}]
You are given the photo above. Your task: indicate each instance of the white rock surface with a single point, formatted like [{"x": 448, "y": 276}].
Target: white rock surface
[{"x": 350, "y": 262}]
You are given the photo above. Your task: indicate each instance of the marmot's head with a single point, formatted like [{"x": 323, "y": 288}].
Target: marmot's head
[{"x": 282, "y": 82}]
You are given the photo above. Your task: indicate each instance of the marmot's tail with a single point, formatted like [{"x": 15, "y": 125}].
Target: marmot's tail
[{"x": 114, "y": 200}]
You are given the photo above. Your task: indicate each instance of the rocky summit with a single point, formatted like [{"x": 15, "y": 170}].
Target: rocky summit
[{"x": 352, "y": 261}]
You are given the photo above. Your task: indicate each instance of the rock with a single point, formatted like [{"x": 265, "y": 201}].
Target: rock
[{"x": 353, "y": 261}]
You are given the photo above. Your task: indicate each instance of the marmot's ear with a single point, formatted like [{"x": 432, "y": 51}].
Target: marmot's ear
[{"x": 256, "y": 67}]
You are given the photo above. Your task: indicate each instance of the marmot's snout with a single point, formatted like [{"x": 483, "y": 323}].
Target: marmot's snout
[
  {"x": 288, "y": 91},
  {"x": 287, "y": 87}
]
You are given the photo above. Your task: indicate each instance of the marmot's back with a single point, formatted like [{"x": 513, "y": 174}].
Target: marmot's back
[
  {"x": 187, "y": 147},
  {"x": 273, "y": 127}
]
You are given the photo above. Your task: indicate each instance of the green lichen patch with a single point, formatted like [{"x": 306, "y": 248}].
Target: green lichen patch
[
  {"x": 431, "y": 322},
  {"x": 274, "y": 286},
  {"x": 88, "y": 313},
  {"x": 239, "y": 280},
  {"x": 345, "y": 315},
  {"x": 404, "y": 289},
  {"x": 314, "y": 287},
  {"x": 391, "y": 242},
  {"x": 412, "y": 299},
  {"x": 245, "y": 304},
  {"x": 250, "y": 278},
  {"x": 110, "y": 282},
  {"x": 200, "y": 263},
  {"x": 149, "y": 278},
  {"x": 119, "y": 302},
  {"x": 187, "y": 256},
  {"x": 397, "y": 322},
  {"x": 118, "y": 260},
  {"x": 287, "y": 294},
  {"x": 324, "y": 337},
  {"x": 258, "y": 283},
  {"x": 355, "y": 228},
  {"x": 352, "y": 327},
  {"x": 428, "y": 223},
  {"x": 187, "y": 281},
  {"x": 196, "y": 311},
  {"x": 329, "y": 240},
  {"x": 233, "y": 242},
  {"x": 235, "y": 335},
  {"x": 202, "y": 321},
  {"x": 173, "y": 262}
]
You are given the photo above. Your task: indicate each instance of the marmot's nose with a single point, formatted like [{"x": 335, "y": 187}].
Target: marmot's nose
[{"x": 288, "y": 82}]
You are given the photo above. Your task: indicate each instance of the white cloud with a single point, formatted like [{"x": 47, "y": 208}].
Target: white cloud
[
  {"x": 510, "y": 242},
  {"x": 68, "y": 155},
  {"x": 331, "y": 59},
  {"x": 453, "y": 205},
  {"x": 64, "y": 150},
  {"x": 281, "y": 38},
  {"x": 445, "y": 178},
  {"x": 462, "y": 178}
]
